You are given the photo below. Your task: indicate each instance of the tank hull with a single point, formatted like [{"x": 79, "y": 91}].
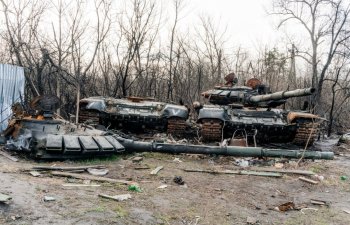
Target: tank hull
[
  {"x": 261, "y": 126},
  {"x": 133, "y": 115}
]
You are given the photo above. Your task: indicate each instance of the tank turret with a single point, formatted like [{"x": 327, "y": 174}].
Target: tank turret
[{"x": 255, "y": 96}]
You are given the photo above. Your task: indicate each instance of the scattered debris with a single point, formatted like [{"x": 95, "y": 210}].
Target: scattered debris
[
  {"x": 4, "y": 198},
  {"x": 156, "y": 170},
  {"x": 179, "y": 180},
  {"x": 257, "y": 173},
  {"x": 318, "y": 202},
  {"x": 343, "y": 178},
  {"x": 137, "y": 159},
  {"x": 251, "y": 220},
  {"x": 308, "y": 180},
  {"x": 162, "y": 186},
  {"x": 177, "y": 160},
  {"x": 49, "y": 199},
  {"x": 81, "y": 185},
  {"x": 118, "y": 198},
  {"x": 242, "y": 163},
  {"x": 135, "y": 188},
  {"x": 238, "y": 172},
  {"x": 319, "y": 177},
  {"x": 35, "y": 173},
  {"x": 345, "y": 138},
  {"x": 279, "y": 165},
  {"x": 300, "y": 172},
  {"x": 302, "y": 210},
  {"x": 16, "y": 217},
  {"x": 70, "y": 168},
  {"x": 98, "y": 172},
  {"x": 90, "y": 177},
  {"x": 5, "y": 154},
  {"x": 285, "y": 207},
  {"x": 347, "y": 211},
  {"x": 145, "y": 167}
]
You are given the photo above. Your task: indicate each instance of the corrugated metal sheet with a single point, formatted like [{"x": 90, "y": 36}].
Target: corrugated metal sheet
[{"x": 11, "y": 91}]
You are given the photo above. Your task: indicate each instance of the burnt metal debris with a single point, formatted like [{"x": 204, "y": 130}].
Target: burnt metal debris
[{"x": 250, "y": 111}]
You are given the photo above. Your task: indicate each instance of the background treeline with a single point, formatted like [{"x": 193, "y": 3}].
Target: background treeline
[{"x": 75, "y": 49}]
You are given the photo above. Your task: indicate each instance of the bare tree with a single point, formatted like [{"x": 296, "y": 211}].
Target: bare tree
[
  {"x": 22, "y": 20},
  {"x": 81, "y": 67},
  {"x": 135, "y": 29},
  {"x": 325, "y": 21},
  {"x": 178, "y": 4}
]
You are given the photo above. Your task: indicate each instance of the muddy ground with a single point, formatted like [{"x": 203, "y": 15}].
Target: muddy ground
[{"x": 204, "y": 199}]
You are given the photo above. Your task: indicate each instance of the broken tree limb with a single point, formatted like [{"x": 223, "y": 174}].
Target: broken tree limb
[
  {"x": 300, "y": 172},
  {"x": 238, "y": 172},
  {"x": 69, "y": 168},
  {"x": 140, "y": 146},
  {"x": 89, "y": 177},
  {"x": 308, "y": 180},
  {"x": 116, "y": 197},
  {"x": 318, "y": 202},
  {"x": 81, "y": 185}
]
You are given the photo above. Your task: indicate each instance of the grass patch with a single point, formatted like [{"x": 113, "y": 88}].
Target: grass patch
[
  {"x": 99, "y": 209},
  {"x": 318, "y": 168},
  {"x": 100, "y": 159},
  {"x": 121, "y": 212}
]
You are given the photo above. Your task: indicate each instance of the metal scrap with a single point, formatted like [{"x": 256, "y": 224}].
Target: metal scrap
[{"x": 98, "y": 172}]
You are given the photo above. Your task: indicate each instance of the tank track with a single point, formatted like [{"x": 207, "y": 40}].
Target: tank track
[
  {"x": 85, "y": 115},
  {"x": 176, "y": 126},
  {"x": 211, "y": 130},
  {"x": 303, "y": 133}
]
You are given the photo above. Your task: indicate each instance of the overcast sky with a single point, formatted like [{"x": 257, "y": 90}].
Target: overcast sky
[{"x": 247, "y": 21}]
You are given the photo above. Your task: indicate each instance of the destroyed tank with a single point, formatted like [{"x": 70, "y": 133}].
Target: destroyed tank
[
  {"x": 251, "y": 112},
  {"x": 134, "y": 114},
  {"x": 39, "y": 132}
]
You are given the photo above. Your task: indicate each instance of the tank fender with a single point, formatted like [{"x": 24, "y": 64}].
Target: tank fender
[
  {"x": 292, "y": 116},
  {"x": 94, "y": 104},
  {"x": 175, "y": 111},
  {"x": 213, "y": 113}
]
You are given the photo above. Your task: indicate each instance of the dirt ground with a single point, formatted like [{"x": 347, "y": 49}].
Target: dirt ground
[{"x": 204, "y": 199}]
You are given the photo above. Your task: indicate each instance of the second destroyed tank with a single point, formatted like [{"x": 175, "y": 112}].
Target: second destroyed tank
[
  {"x": 134, "y": 114},
  {"x": 251, "y": 112}
]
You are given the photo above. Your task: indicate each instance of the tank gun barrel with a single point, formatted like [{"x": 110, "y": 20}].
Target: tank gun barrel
[
  {"x": 282, "y": 95},
  {"x": 140, "y": 146}
]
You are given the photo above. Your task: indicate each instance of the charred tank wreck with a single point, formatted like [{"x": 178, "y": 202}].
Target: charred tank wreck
[
  {"x": 134, "y": 114},
  {"x": 251, "y": 111},
  {"x": 42, "y": 135}
]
